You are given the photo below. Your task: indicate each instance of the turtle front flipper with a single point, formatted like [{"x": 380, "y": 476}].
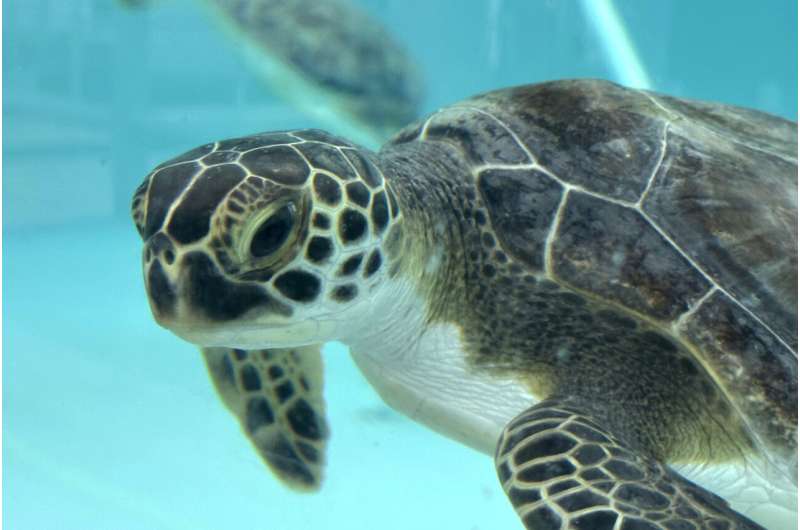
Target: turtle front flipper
[
  {"x": 277, "y": 396},
  {"x": 560, "y": 469}
]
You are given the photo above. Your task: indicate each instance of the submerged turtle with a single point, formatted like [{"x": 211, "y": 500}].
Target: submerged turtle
[
  {"x": 329, "y": 58},
  {"x": 595, "y": 284}
]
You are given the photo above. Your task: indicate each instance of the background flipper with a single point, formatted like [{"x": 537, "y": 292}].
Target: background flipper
[
  {"x": 562, "y": 470},
  {"x": 277, "y": 396}
]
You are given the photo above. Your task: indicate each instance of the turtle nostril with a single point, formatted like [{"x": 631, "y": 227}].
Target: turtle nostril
[{"x": 160, "y": 246}]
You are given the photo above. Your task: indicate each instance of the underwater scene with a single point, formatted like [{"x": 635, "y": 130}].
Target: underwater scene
[{"x": 384, "y": 264}]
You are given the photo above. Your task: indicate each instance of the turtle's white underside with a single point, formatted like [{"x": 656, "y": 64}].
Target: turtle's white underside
[{"x": 423, "y": 373}]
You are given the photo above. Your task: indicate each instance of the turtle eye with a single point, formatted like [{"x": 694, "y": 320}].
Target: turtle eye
[{"x": 273, "y": 232}]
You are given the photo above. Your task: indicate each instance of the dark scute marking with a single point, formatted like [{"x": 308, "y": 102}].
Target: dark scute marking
[
  {"x": 503, "y": 472},
  {"x": 273, "y": 232},
  {"x": 358, "y": 193},
  {"x": 275, "y": 372},
  {"x": 298, "y": 285},
  {"x": 392, "y": 202},
  {"x": 165, "y": 187},
  {"x": 602, "y": 520},
  {"x": 327, "y": 158},
  {"x": 482, "y": 139},
  {"x": 190, "y": 156},
  {"x": 616, "y": 319},
  {"x": 562, "y": 486},
  {"x": 640, "y": 497},
  {"x": 679, "y": 525},
  {"x": 586, "y": 433},
  {"x": 308, "y": 451},
  {"x": 161, "y": 292},
  {"x": 280, "y": 164},
  {"x": 191, "y": 220},
  {"x": 352, "y": 226},
  {"x": 284, "y": 391},
  {"x": 547, "y": 445},
  {"x": 684, "y": 510},
  {"x": 220, "y": 157},
  {"x": 637, "y": 524},
  {"x": 688, "y": 366},
  {"x": 304, "y": 383},
  {"x": 520, "y": 497},
  {"x": 254, "y": 141},
  {"x": 658, "y": 341},
  {"x": 259, "y": 414},
  {"x": 321, "y": 221},
  {"x": 319, "y": 249},
  {"x": 604, "y": 486},
  {"x": 345, "y": 293},
  {"x": 250, "y": 378},
  {"x": 581, "y": 500},
  {"x": 546, "y": 471},
  {"x": 542, "y": 518},
  {"x": 278, "y": 451},
  {"x": 220, "y": 299},
  {"x": 373, "y": 263},
  {"x": 623, "y": 470},
  {"x": 304, "y": 420},
  {"x": 705, "y": 498},
  {"x": 239, "y": 355},
  {"x": 223, "y": 372},
  {"x": 627, "y": 508},
  {"x": 589, "y": 454},
  {"x": 593, "y": 474},
  {"x": 365, "y": 168},
  {"x": 351, "y": 265},
  {"x": 526, "y": 432},
  {"x": 379, "y": 213},
  {"x": 327, "y": 189},
  {"x": 521, "y": 205},
  {"x": 666, "y": 487},
  {"x": 615, "y": 253}
]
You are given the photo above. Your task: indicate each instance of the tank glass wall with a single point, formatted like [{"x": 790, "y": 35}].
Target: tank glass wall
[{"x": 110, "y": 421}]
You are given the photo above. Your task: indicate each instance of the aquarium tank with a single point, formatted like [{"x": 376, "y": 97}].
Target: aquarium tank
[{"x": 110, "y": 421}]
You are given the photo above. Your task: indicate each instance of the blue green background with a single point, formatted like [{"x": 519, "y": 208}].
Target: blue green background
[{"x": 110, "y": 421}]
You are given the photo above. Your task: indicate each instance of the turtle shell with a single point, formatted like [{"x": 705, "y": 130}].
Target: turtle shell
[{"x": 683, "y": 212}]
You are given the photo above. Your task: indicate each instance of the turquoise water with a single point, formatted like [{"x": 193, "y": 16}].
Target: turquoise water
[{"x": 108, "y": 420}]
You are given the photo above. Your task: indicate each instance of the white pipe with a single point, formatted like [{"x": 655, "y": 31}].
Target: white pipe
[{"x": 604, "y": 19}]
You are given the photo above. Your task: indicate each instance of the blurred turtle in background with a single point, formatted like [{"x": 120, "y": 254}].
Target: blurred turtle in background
[{"x": 329, "y": 58}]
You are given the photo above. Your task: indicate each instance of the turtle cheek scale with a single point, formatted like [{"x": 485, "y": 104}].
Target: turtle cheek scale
[{"x": 203, "y": 306}]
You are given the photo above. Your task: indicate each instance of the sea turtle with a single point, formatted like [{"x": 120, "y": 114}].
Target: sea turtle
[
  {"x": 328, "y": 57},
  {"x": 597, "y": 285}
]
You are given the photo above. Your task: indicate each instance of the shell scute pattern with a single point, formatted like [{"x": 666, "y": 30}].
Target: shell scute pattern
[
  {"x": 574, "y": 461},
  {"x": 630, "y": 203}
]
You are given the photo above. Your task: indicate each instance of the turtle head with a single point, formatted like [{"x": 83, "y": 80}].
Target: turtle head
[{"x": 265, "y": 241}]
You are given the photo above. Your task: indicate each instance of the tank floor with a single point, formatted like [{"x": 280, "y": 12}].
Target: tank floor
[{"x": 111, "y": 422}]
